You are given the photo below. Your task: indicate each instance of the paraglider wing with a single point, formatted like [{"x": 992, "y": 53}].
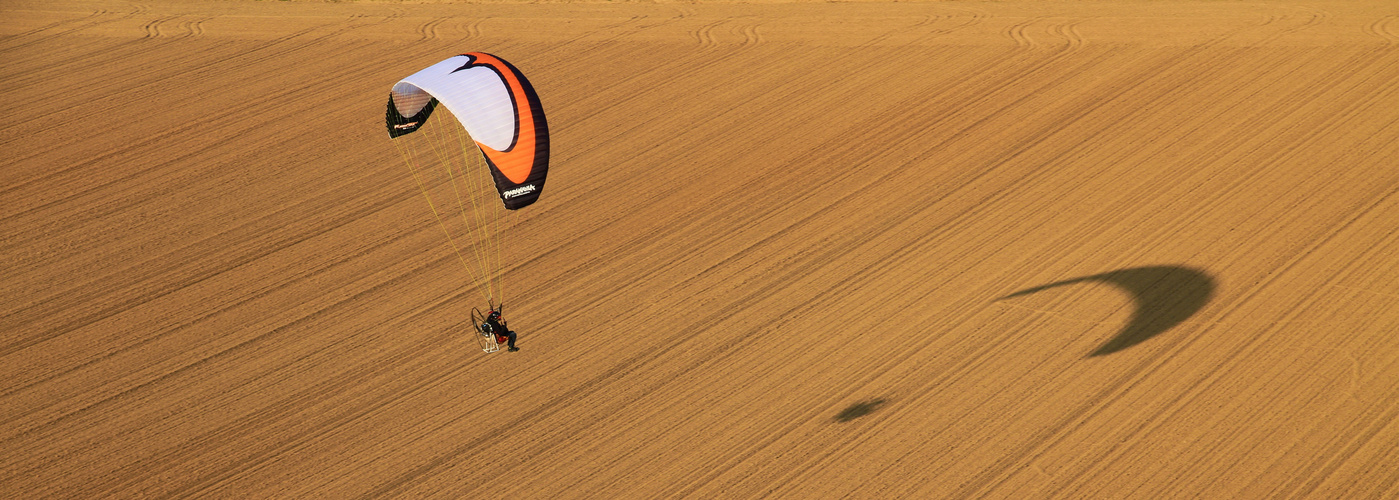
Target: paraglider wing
[{"x": 499, "y": 110}]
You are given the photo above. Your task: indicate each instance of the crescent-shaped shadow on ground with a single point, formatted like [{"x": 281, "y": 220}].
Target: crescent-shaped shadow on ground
[{"x": 1165, "y": 296}]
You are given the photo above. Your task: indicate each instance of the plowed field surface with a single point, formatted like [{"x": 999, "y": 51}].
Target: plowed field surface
[{"x": 795, "y": 250}]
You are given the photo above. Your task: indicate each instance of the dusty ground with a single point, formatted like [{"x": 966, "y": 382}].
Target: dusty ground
[{"x": 773, "y": 258}]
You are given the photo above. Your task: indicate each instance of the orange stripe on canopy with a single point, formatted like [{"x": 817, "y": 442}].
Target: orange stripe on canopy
[{"x": 517, "y": 160}]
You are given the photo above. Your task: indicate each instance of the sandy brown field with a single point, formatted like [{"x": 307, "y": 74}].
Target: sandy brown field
[{"x": 778, "y": 254}]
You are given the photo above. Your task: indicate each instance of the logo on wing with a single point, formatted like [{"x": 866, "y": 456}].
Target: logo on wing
[{"x": 520, "y": 191}]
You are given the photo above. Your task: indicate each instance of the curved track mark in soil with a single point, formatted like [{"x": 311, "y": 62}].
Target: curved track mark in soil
[
  {"x": 1069, "y": 32},
  {"x": 1017, "y": 33},
  {"x": 428, "y": 30},
  {"x": 704, "y": 35},
  {"x": 1385, "y": 28},
  {"x": 751, "y": 35}
]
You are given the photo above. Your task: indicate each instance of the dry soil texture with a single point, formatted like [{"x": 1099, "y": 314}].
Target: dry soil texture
[{"x": 812, "y": 250}]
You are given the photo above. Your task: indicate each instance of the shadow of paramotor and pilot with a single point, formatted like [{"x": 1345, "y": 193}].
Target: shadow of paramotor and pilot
[{"x": 1162, "y": 297}]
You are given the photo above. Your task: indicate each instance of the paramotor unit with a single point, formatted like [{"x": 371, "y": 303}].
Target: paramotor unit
[
  {"x": 484, "y": 336},
  {"x": 491, "y": 329}
]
